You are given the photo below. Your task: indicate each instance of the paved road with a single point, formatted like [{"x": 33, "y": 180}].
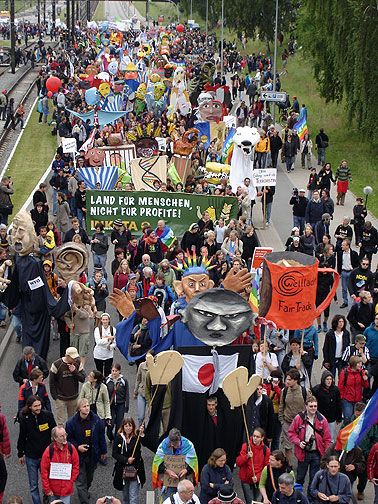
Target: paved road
[{"x": 123, "y": 10}]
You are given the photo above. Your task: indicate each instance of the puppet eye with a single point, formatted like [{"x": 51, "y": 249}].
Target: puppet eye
[{"x": 206, "y": 314}]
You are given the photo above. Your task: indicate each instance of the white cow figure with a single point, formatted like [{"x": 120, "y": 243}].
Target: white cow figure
[{"x": 245, "y": 140}]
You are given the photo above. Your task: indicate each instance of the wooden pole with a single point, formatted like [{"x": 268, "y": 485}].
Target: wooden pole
[
  {"x": 264, "y": 208},
  {"x": 144, "y": 419},
  {"x": 300, "y": 351},
  {"x": 264, "y": 354}
]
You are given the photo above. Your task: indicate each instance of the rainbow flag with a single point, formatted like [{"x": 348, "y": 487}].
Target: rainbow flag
[
  {"x": 186, "y": 448},
  {"x": 228, "y": 147},
  {"x": 350, "y": 436},
  {"x": 301, "y": 127},
  {"x": 254, "y": 297}
]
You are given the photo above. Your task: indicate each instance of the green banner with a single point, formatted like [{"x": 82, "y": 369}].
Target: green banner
[{"x": 137, "y": 209}]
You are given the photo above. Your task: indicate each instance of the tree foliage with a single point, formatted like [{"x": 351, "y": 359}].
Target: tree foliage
[
  {"x": 251, "y": 18},
  {"x": 341, "y": 36}
]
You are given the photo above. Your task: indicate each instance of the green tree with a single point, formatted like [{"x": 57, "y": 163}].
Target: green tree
[{"x": 341, "y": 38}]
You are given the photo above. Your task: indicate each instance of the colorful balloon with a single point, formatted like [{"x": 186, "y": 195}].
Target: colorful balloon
[
  {"x": 53, "y": 84},
  {"x": 49, "y": 94},
  {"x": 180, "y": 28}
]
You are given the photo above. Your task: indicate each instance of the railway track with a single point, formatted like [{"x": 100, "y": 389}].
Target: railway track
[{"x": 22, "y": 92}]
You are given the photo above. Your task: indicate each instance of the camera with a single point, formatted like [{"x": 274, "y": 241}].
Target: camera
[
  {"x": 310, "y": 443},
  {"x": 108, "y": 499},
  {"x": 295, "y": 192}
]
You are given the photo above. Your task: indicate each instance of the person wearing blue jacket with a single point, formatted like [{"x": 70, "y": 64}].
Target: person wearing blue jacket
[
  {"x": 86, "y": 432},
  {"x": 214, "y": 475},
  {"x": 371, "y": 334},
  {"x": 315, "y": 209}
]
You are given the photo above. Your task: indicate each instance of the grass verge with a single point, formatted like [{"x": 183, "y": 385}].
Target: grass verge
[
  {"x": 30, "y": 160},
  {"x": 167, "y": 9},
  {"x": 99, "y": 12}
]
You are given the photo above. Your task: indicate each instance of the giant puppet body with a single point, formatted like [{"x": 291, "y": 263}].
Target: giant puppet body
[
  {"x": 24, "y": 281},
  {"x": 210, "y": 320}
]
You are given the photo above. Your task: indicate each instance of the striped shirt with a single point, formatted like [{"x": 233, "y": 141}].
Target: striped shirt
[
  {"x": 352, "y": 350},
  {"x": 343, "y": 174}
]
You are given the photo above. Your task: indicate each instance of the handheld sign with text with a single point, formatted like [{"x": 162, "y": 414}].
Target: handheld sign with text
[
  {"x": 60, "y": 471},
  {"x": 264, "y": 177},
  {"x": 175, "y": 463},
  {"x": 69, "y": 145},
  {"x": 258, "y": 257}
]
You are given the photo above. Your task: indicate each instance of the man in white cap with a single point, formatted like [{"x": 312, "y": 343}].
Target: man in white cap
[{"x": 65, "y": 375}]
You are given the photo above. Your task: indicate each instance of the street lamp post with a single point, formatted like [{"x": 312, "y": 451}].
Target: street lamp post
[
  {"x": 207, "y": 19},
  {"x": 13, "y": 38},
  {"x": 222, "y": 42},
  {"x": 178, "y": 12},
  {"x": 275, "y": 60},
  {"x": 191, "y": 9}
]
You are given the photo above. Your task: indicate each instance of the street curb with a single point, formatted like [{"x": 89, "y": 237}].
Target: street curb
[{"x": 4, "y": 343}]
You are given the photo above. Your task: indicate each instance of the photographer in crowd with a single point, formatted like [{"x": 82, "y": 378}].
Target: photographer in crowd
[{"x": 299, "y": 202}]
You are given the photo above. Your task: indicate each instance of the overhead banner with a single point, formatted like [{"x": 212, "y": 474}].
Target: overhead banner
[{"x": 137, "y": 209}]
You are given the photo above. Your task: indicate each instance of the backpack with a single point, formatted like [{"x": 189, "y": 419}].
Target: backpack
[
  {"x": 298, "y": 496},
  {"x": 51, "y": 449},
  {"x": 284, "y": 393}
]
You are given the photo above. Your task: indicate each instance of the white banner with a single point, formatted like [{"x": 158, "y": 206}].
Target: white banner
[{"x": 264, "y": 177}]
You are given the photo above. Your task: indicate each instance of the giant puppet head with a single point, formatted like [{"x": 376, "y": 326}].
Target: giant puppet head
[
  {"x": 159, "y": 89},
  {"x": 195, "y": 279},
  {"x": 95, "y": 156},
  {"x": 23, "y": 233},
  {"x": 218, "y": 316},
  {"x": 246, "y": 139},
  {"x": 210, "y": 110}
]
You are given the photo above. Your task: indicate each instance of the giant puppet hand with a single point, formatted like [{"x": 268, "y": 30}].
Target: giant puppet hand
[
  {"x": 4, "y": 282},
  {"x": 82, "y": 295},
  {"x": 124, "y": 304},
  {"x": 238, "y": 282}
]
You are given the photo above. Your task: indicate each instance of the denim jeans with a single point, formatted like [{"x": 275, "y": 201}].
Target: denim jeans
[
  {"x": 321, "y": 156},
  {"x": 168, "y": 493},
  {"x": 33, "y": 466},
  {"x": 277, "y": 428},
  {"x": 303, "y": 160},
  {"x": 4, "y": 219},
  {"x": 344, "y": 285},
  {"x": 141, "y": 401},
  {"x": 17, "y": 325},
  {"x": 117, "y": 411},
  {"x": 348, "y": 408},
  {"x": 300, "y": 223},
  {"x": 337, "y": 366},
  {"x": 274, "y": 155},
  {"x": 131, "y": 492},
  {"x": 261, "y": 159},
  {"x": 55, "y": 192},
  {"x": 332, "y": 428},
  {"x": 65, "y": 500},
  {"x": 268, "y": 211},
  {"x": 72, "y": 203},
  {"x": 376, "y": 494},
  {"x": 3, "y": 312},
  {"x": 289, "y": 160},
  {"x": 81, "y": 217},
  {"x": 312, "y": 459},
  {"x": 251, "y": 492}
]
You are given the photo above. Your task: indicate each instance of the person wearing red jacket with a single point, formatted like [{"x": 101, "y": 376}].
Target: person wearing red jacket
[
  {"x": 311, "y": 436},
  {"x": 372, "y": 469},
  {"x": 63, "y": 453},
  {"x": 351, "y": 382},
  {"x": 5, "y": 452},
  {"x": 252, "y": 460}
]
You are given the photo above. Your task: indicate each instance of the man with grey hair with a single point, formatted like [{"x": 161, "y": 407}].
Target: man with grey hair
[
  {"x": 184, "y": 494},
  {"x": 286, "y": 493},
  {"x": 29, "y": 361},
  {"x": 177, "y": 445},
  {"x": 59, "y": 486}
]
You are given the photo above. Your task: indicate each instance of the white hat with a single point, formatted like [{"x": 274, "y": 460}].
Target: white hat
[{"x": 72, "y": 352}]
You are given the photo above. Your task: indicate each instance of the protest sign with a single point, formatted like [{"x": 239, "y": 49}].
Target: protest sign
[
  {"x": 175, "y": 463},
  {"x": 69, "y": 145},
  {"x": 137, "y": 209},
  {"x": 264, "y": 177},
  {"x": 258, "y": 256}
]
